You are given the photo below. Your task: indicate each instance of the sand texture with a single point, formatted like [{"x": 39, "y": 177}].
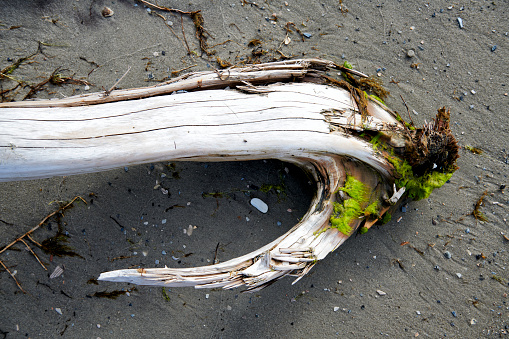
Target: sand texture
[{"x": 433, "y": 271}]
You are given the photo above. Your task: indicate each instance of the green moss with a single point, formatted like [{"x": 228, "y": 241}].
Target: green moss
[
  {"x": 377, "y": 99},
  {"x": 372, "y": 209},
  {"x": 375, "y": 141},
  {"x": 348, "y": 65},
  {"x": 344, "y": 213},
  {"x": 350, "y": 209},
  {"x": 165, "y": 294},
  {"x": 278, "y": 189},
  {"x": 385, "y": 218},
  {"x": 474, "y": 150},
  {"x": 417, "y": 187},
  {"x": 363, "y": 230}
]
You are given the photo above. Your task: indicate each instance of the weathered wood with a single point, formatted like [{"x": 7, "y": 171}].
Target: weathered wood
[{"x": 315, "y": 126}]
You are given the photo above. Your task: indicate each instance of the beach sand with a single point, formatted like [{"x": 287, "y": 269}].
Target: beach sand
[{"x": 395, "y": 281}]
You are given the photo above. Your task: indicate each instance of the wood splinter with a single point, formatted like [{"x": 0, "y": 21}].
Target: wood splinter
[{"x": 363, "y": 157}]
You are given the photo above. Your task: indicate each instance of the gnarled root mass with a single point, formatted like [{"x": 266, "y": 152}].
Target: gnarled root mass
[{"x": 363, "y": 157}]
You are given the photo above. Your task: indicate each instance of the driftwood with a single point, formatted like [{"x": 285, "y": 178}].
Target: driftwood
[{"x": 363, "y": 157}]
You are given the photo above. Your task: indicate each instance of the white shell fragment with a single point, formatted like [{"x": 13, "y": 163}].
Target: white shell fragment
[
  {"x": 57, "y": 272},
  {"x": 259, "y": 205},
  {"x": 460, "y": 22}
]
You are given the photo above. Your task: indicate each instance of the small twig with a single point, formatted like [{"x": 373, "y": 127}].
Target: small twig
[
  {"x": 184, "y": 34},
  {"x": 35, "y": 255},
  {"x": 383, "y": 19},
  {"x": 13, "y": 277},
  {"x": 32, "y": 240},
  {"x": 407, "y": 110},
  {"x": 41, "y": 223},
  {"x": 173, "y": 73},
  {"x": 116, "y": 83},
  {"x": 215, "y": 255}
]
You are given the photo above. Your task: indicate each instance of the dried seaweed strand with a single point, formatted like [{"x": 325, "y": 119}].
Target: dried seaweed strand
[{"x": 197, "y": 17}]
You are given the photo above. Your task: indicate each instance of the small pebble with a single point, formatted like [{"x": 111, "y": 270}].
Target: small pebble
[
  {"x": 157, "y": 262},
  {"x": 307, "y": 35},
  {"x": 473, "y": 91},
  {"x": 410, "y": 53},
  {"x": 207, "y": 296},
  {"x": 163, "y": 252},
  {"x": 459, "y": 275},
  {"x": 259, "y": 205},
  {"x": 473, "y": 321},
  {"x": 336, "y": 309},
  {"x": 447, "y": 255},
  {"x": 163, "y": 221},
  {"x": 418, "y": 312},
  {"x": 380, "y": 292},
  {"x": 467, "y": 231},
  {"x": 58, "y": 310},
  {"x": 98, "y": 325},
  {"x": 493, "y": 48},
  {"x": 454, "y": 314},
  {"x": 87, "y": 87}
]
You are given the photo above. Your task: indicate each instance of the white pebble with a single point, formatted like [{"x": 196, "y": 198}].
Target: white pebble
[
  {"x": 87, "y": 87},
  {"x": 418, "y": 312},
  {"x": 459, "y": 275},
  {"x": 380, "y": 292},
  {"x": 58, "y": 310},
  {"x": 259, "y": 205},
  {"x": 163, "y": 221},
  {"x": 336, "y": 309},
  {"x": 207, "y": 296}
]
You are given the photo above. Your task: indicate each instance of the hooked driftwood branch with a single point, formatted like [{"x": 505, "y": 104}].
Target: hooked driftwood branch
[{"x": 361, "y": 155}]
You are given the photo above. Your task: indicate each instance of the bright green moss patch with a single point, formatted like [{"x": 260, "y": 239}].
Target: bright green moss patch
[
  {"x": 344, "y": 213},
  {"x": 372, "y": 209},
  {"x": 377, "y": 99},
  {"x": 385, "y": 218},
  {"x": 350, "y": 209},
  {"x": 348, "y": 65},
  {"x": 417, "y": 187}
]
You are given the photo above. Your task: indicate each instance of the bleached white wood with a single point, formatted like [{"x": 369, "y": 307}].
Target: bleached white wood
[{"x": 303, "y": 123}]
